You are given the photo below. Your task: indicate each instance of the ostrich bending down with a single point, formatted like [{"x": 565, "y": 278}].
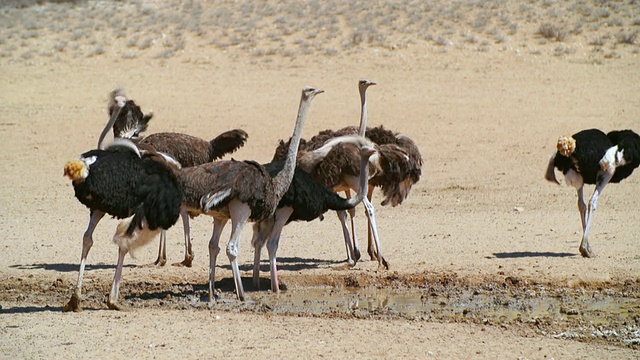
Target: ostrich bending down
[
  {"x": 591, "y": 157},
  {"x": 241, "y": 191},
  {"x": 186, "y": 149},
  {"x": 396, "y": 168},
  {"x": 306, "y": 199},
  {"x": 116, "y": 181}
]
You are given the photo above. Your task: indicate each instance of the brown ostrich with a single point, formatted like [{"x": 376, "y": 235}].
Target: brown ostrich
[
  {"x": 185, "y": 149},
  {"x": 395, "y": 169},
  {"x": 239, "y": 191},
  {"x": 306, "y": 200}
]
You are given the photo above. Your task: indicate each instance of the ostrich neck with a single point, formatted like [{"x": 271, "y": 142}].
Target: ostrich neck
[
  {"x": 363, "y": 113},
  {"x": 363, "y": 181},
  {"x": 285, "y": 176},
  {"x": 109, "y": 125}
]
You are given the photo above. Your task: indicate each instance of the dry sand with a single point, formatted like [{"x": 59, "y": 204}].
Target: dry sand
[{"x": 486, "y": 121}]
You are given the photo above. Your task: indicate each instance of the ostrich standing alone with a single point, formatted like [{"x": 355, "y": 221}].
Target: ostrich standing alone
[
  {"x": 186, "y": 149},
  {"x": 591, "y": 157},
  {"x": 306, "y": 199},
  {"x": 395, "y": 169},
  {"x": 239, "y": 191},
  {"x": 116, "y": 181}
]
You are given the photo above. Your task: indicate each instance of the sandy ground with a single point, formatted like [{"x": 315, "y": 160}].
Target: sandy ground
[{"x": 486, "y": 123}]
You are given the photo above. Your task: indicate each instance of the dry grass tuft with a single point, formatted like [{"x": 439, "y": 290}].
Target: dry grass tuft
[{"x": 552, "y": 32}]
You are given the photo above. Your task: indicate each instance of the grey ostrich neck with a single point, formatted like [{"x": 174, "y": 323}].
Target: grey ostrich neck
[
  {"x": 363, "y": 182},
  {"x": 362, "y": 87},
  {"x": 285, "y": 176},
  {"x": 109, "y": 125}
]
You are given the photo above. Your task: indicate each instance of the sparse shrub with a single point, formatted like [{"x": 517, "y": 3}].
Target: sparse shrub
[
  {"x": 442, "y": 41},
  {"x": 133, "y": 41},
  {"x": 165, "y": 54},
  {"x": 551, "y": 31},
  {"x": 60, "y": 46},
  {"x": 627, "y": 38},
  {"x": 27, "y": 55},
  {"x": 636, "y": 22},
  {"x": 597, "y": 41},
  {"x": 129, "y": 54},
  {"x": 98, "y": 50},
  {"x": 145, "y": 44}
]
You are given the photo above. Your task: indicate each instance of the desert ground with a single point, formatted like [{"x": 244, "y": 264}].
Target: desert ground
[{"x": 483, "y": 254}]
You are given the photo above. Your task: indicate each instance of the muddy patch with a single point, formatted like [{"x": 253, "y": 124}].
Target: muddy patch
[{"x": 602, "y": 313}]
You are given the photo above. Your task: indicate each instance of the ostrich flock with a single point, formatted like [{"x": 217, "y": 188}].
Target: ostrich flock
[{"x": 151, "y": 181}]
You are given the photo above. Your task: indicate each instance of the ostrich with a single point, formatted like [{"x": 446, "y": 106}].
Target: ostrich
[
  {"x": 185, "y": 149},
  {"x": 239, "y": 191},
  {"x": 395, "y": 169},
  {"x": 116, "y": 181},
  {"x": 591, "y": 157},
  {"x": 306, "y": 199}
]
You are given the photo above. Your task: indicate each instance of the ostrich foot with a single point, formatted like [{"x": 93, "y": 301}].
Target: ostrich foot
[
  {"x": 372, "y": 253},
  {"x": 116, "y": 306},
  {"x": 357, "y": 255},
  {"x": 158, "y": 263},
  {"x": 187, "y": 262},
  {"x": 384, "y": 265},
  {"x": 587, "y": 252},
  {"x": 73, "y": 304}
]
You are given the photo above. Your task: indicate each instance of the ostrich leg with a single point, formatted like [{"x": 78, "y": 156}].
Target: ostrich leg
[
  {"x": 261, "y": 231},
  {"x": 188, "y": 250},
  {"x": 355, "y": 252},
  {"x": 112, "y": 301},
  {"x": 214, "y": 250},
  {"x": 585, "y": 249},
  {"x": 240, "y": 214},
  {"x": 162, "y": 251},
  {"x": 87, "y": 242},
  {"x": 352, "y": 256},
  {"x": 282, "y": 215},
  {"x": 374, "y": 229},
  {"x": 371, "y": 250}
]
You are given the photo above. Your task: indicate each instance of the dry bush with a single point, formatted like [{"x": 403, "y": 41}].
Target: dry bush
[
  {"x": 553, "y": 32},
  {"x": 627, "y": 38}
]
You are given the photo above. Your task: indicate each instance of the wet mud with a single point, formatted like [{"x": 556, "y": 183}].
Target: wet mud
[{"x": 607, "y": 313}]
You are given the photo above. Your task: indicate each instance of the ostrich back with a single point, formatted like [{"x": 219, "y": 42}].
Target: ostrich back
[
  {"x": 246, "y": 181},
  {"x": 186, "y": 149},
  {"x": 591, "y": 145},
  {"x": 342, "y": 161},
  {"x": 120, "y": 184},
  {"x": 308, "y": 197},
  {"x": 191, "y": 151},
  {"x": 629, "y": 142},
  {"x": 379, "y": 135}
]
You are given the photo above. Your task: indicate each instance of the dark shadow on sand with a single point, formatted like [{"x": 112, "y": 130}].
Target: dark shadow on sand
[
  {"x": 285, "y": 263},
  {"x": 67, "y": 267},
  {"x": 524, "y": 254}
]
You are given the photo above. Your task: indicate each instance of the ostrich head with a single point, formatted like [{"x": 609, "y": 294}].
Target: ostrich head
[
  {"x": 78, "y": 170},
  {"x": 130, "y": 121},
  {"x": 566, "y": 145}
]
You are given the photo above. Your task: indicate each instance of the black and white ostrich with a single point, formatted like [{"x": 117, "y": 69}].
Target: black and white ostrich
[
  {"x": 186, "y": 149},
  {"x": 395, "y": 169},
  {"x": 593, "y": 157},
  {"x": 305, "y": 200},
  {"x": 239, "y": 191},
  {"x": 117, "y": 181}
]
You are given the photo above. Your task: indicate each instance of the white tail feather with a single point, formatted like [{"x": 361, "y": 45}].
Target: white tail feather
[{"x": 138, "y": 239}]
